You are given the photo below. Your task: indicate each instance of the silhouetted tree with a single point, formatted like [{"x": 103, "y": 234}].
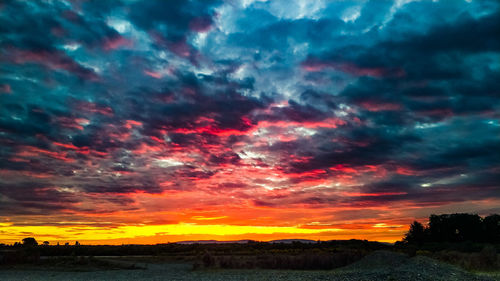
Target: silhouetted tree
[
  {"x": 416, "y": 234},
  {"x": 468, "y": 227},
  {"x": 46, "y": 243},
  {"x": 491, "y": 228},
  {"x": 29, "y": 241},
  {"x": 455, "y": 227}
]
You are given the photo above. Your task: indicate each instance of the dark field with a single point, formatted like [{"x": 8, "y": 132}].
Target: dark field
[
  {"x": 332, "y": 260},
  {"x": 379, "y": 265}
]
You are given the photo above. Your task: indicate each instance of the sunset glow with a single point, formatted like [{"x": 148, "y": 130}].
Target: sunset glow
[{"x": 144, "y": 122}]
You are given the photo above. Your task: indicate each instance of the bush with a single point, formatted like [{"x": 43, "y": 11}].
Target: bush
[
  {"x": 487, "y": 259},
  {"x": 208, "y": 260},
  {"x": 488, "y": 256}
]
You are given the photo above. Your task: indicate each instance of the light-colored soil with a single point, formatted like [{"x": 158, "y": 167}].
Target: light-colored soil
[{"x": 376, "y": 266}]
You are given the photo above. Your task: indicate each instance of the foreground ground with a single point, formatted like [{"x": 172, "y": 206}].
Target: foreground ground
[{"x": 380, "y": 265}]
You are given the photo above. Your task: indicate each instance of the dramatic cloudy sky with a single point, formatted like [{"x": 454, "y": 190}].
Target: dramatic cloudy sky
[{"x": 154, "y": 121}]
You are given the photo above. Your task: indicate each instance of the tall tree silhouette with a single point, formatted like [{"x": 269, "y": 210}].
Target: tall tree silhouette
[
  {"x": 455, "y": 227},
  {"x": 416, "y": 234},
  {"x": 491, "y": 227}
]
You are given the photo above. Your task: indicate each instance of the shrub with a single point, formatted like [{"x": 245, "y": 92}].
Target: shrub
[
  {"x": 486, "y": 259},
  {"x": 208, "y": 260},
  {"x": 488, "y": 256}
]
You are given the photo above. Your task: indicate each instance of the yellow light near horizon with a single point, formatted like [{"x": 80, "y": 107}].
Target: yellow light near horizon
[
  {"x": 54, "y": 233},
  {"x": 185, "y": 229}
]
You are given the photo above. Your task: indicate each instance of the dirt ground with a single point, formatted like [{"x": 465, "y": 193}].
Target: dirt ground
[{"x": 376, "y": 266}]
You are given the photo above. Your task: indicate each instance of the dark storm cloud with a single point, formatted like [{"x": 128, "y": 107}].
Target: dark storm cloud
[
  {"x": 181, "y": 104},
  {"x": 228, "y": 157},
  {"x": 169, "y": 23},
  {"x": 437, "y": 85},
  {"x": 294, "y": 112},
  {"x": 39, "y": 30},
  {"x": 111, "y": 185},
  {"x": 173, "y": 18},
  {"x": 436, "y": 54},
  {"x": 360, "y": 146},
  {"x": 468, "y": 187},
  {"x": 318, "y": 99},
  {"x": 33, "y": 197}
]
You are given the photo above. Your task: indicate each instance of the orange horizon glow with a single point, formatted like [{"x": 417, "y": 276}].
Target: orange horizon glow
[
  {"x": 188, "y": 232},
  {"x": 142, "y": 228}
]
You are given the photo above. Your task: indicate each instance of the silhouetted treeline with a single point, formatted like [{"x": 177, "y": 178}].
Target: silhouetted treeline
[
  {"x": 455, "y": 228},
  {"x": 282, "y": 254}
]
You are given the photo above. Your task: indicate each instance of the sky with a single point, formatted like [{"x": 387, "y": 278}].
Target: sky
[{"x": 160, "y": 121}]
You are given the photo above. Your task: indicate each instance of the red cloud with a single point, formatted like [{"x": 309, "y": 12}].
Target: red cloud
[
  {"x": 201, "y": 24},
  {"x": 5, "y": 89},
  {"x": 117, "y": 42},
  {"x": 94, "y": 108},
  {"x": 52, "y": 59},
  {"x": 376, "y": 106},
  {"x": 314, "y": 65}
]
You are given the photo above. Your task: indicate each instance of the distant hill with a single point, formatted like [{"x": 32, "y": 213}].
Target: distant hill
[
  {"x": 214, "y": 242},
  {"x": 281, "y": 241},
  {"x": 290, "y": 241},
  {"x": 284, "y": 241}
]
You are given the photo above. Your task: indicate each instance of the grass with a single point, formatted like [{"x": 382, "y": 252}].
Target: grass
[
  {"x": 487, "y": 259},
  {"x": 305, "y": 260},
  {"x": 77, "y": 263}
]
